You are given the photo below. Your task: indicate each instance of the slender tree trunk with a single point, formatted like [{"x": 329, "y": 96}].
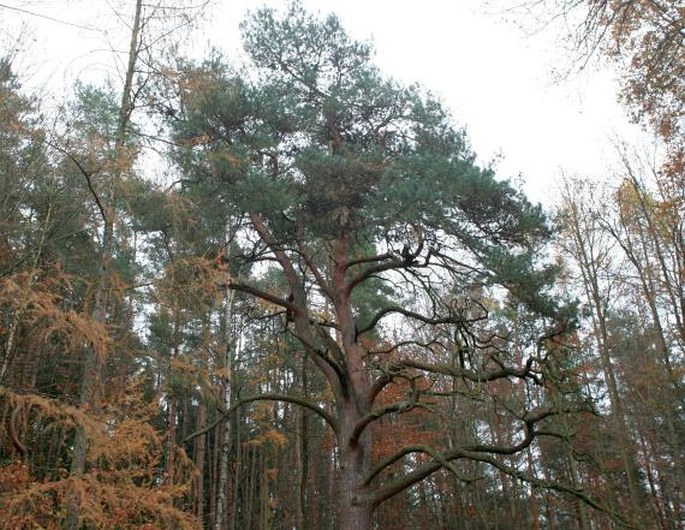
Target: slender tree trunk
[
  {"x": 234, "y": 491},
  {"x": 264, "y": 510},
  {"x": 172, "y": 426},
  {"x": 327, "y": 510},
  {"x": 249, "y": 516},
  {"x": 653, "y": 489},
  {"x": 213, "y": 473},
  {"x": 172, "y": 403},
  {"x": 640, "y": 257},
  {"x": 200, "y": 443},
  {"x": 94, "y": 360},
  {"x": 91, "y": 384},
  {"x": 587, "y": 258},
  {"x": 303, "y": 460},
  {"x": 10, "y": 341},
  {"x": 220, "y": 521}
]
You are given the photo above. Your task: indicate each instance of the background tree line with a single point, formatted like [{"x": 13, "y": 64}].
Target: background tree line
[{"x": 332, "y": 317}]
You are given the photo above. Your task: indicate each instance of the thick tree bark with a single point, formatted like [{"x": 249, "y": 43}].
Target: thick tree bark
[{"x": 355, "y": 510}]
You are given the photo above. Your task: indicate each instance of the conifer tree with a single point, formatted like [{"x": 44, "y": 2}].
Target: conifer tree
[{"x": 392, "y": 258}]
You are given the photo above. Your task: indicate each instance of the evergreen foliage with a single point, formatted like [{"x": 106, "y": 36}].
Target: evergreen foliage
[{"x": 329, "y": 316}]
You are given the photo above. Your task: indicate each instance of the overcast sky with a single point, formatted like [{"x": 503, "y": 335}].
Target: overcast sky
[{"x": 497, "y": 80}]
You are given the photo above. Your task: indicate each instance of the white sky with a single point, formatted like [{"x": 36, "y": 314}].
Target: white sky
[{"x": 497, "y": 81}]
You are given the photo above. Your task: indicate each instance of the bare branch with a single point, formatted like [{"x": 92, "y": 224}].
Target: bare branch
[{"x": 302, "y": 402}]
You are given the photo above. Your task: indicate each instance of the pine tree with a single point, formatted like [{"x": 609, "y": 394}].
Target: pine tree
[{"x": 379, "y": 243}]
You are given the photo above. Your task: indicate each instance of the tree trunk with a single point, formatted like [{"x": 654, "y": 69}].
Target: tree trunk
[
  {"x": 587, "y": 258},
  {"x": 302, "y": 448},
  {"x": 200, "y": 445},
  {"x": 91, "y": 384},
  {"x": 172, "y": 427},
  {"x": 94, "y": 360},
  {"x": 355, "y": 510},
  {"x": 220, "y": 521},
  {"x": 354, "y": 513},
  {"x": 234, "y": 491}
]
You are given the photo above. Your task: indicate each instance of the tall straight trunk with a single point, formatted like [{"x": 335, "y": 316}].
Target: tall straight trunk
[
  {"x": 213, "y": 473},
  {"x": 586, "y": 256},
  {"x": 642, "y": 261},
  {"x": 673, "y": 279},
  {"x": 172, "y": 426},
  {"x": 581, "y": 509},
  {"x": 327, "y": 509},
  {"x": 551, "y": 518},
  {"x": 203, "y": 471},
  {"x": 264, "y": 510},
  {"x": 221, "y": 519},
  {"x": 303, "y": 453},
  {"x": 172, "y": 412},
  {"x": 199, "y": 451},
  {"x": 234, "y": 491},
  {"x": 249, "y": 516},
  {"x": 648, "y": 467},
  {"x": 650, "y": 295},
  {"x": 91, "y": 383},
  {"x": 93, "y": 361}
]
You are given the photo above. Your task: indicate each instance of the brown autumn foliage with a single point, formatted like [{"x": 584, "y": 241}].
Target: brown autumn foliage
[
  {"x": 122, "y": 487},
  {"x": 283, "y": 461}
]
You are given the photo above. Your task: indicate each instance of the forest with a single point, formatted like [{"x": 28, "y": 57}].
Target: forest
[{"x": 330, "y": 314}]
